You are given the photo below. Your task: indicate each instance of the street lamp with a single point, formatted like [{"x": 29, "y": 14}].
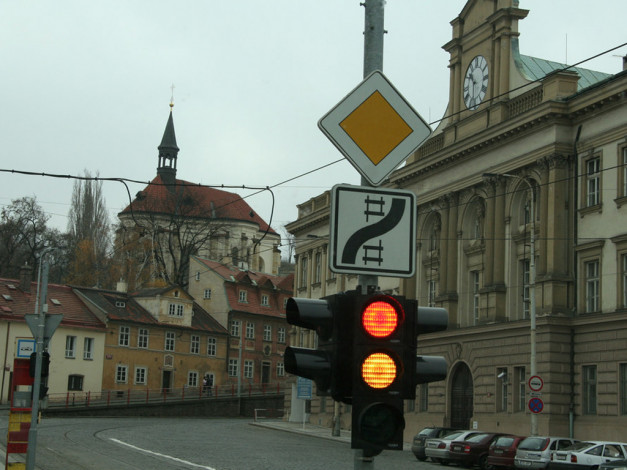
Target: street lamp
[{"x": 532, "y": 284}]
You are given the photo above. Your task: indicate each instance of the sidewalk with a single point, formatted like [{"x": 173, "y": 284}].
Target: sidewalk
[
  {"x": 304, "y": 429},
  {"x": 310, "y": 430}
]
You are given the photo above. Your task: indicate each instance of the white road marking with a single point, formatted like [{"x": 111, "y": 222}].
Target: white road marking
[{"x": 160, "y": 455}]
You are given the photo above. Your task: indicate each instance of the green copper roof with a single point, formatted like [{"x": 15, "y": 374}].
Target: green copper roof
[{"x": 536, "y": 69}]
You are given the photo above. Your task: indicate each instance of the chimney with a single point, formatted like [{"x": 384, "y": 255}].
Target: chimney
[
  {"x": 122, "y": 286},
  {"x": 26, "y": 275}
]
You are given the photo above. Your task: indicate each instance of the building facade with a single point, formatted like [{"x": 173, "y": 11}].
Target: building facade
[
  {"x": 172, "y": 219},
  {"x": 251, "y": 306},
  {"x": 157, "y": 340},
  {"x": 76, "y": 347},
  {"x": 521, "y": 192}
]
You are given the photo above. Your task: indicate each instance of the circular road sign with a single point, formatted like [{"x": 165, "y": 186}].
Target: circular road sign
[
  {"x": 536, "y": 405},
  {"x": 536, "y": 383}
]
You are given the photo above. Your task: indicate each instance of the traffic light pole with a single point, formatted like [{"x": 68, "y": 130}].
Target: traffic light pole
[
  {"x": 39, "y": 339},
  {"x": 373, "y": 60}
]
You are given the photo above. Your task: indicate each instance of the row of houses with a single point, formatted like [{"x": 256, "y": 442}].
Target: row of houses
[{"x": 228, "y": 327}]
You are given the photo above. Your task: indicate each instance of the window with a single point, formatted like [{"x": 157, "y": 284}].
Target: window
[
  {"x": 197, "y": 277},
  {"x": 233, "y": 368},
  {"x": 70, "y": 346},
  {"x": 318, "y": 273},
  {"x": 280, "y": 369},
  {"x": 243, "y": 296},
  {"x": 88, "y": 350},
  {"x": 142, "y": 338},
  {"x": 474, "y": 283},
  {"x": 176, "y": 310},
  {"x": 281, "y": 335},
  {"x": 121, "y": 374},
  {"x": 432, "y": 289},
  {"x": 207, "y": 294},
  {"x": 593, "y": 182},
  {"x": 622, "y": 173},
  {"x": 624, "y": 279},
  {"x": 267, "y": 332},
  {"x": 75, "y": 383},
  {"x": 211, "y": 346},
  {"x": 589, "y": 392},
  {"x": 303, "y": 272},
  {"x": 194, "y": 347},
  {"x": 248, "y": 369},
  {"x": 235, "y": 326},
  {"x": 250, "y": 330},
  {"x": 526, "y": 276},
  {"x": 501, "y": 389},
  {"x": 592, "y": 286},
  {"x": 169, "y": 341},
  {"x": 140, "y": 375},
  {"x": 520, "y": 399},
  {"x": 423, "y": 397},
  {"x": 192, "y": 378},
  {"x": 265, "y": 301},
  {"x": 622, "y": 387},
  {"x": 124, "y": 335}
]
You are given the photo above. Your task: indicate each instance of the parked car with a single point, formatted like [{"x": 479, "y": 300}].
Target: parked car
[
  {"x": 438, "y": 449},
  {"x": 614, "y": 465},
  {"x": 503, "y": 451},
  {"x": 418, "y": 445},
  {"x": 535, "y": 451},
  {"x": 473, "y": 450},
  {"x": 587, "y": 455}
]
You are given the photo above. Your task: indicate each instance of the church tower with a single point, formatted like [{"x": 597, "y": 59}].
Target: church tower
[{"x": 168, "y": 153}]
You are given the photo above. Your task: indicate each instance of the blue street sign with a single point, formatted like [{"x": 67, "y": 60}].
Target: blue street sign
[{"x": 303, "y": 388}]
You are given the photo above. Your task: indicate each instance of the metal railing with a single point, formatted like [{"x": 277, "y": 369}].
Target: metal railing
[{"x": 128, "y": 397}]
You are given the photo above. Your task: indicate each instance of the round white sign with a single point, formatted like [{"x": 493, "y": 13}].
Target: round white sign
[{"x": 536, "y": 383}]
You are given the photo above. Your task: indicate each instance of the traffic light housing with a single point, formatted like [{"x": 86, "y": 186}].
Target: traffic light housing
[
  {"x": 330, "y": 365},
  {"x": 384, "y": 355},
  {"x": 45, "y": 364},
  {"x": 430, "y": 368}
]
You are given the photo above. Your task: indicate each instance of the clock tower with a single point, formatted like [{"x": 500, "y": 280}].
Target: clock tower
[{"x": 485, "y": 35}]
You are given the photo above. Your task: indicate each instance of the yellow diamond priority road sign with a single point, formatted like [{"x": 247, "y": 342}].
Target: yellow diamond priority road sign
[{"x": 375, "y": 128}]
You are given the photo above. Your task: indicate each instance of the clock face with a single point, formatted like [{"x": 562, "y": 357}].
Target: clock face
[{"x": 476, "y": 82}]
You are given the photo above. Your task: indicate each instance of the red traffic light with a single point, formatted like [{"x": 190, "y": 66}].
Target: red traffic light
[{"x": 381, "y": 316}]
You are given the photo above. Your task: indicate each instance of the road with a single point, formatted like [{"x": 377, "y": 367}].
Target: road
[{"x": 210, "y": 444}]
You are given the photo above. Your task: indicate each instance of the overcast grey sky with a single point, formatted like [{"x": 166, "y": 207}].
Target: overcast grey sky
[{"x": 86, "y": 85}]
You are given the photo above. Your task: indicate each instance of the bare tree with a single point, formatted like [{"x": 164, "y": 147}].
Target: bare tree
[
  {"x": 156, "y": 239},
  {"x": 88, "y": 233}
]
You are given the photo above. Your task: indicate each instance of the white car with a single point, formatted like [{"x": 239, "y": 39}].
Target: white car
[
  {"x": 438, "y": 449},
  {"x": 535, "y": 451},
  {"x": 587, "y": 455}
]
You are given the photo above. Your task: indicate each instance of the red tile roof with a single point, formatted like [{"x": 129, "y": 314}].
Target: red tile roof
[
  {"x": 15, "y": 303},
  {"x": 192, "y": 200},
  {"x": 277, "y": 288}
]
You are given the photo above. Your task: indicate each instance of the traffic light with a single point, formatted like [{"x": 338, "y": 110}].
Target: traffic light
[
  {"x": 430, "y": 368},
  {"x": 388, "y": 368},
  {"x": 384, "y": 355},
  {"x": 330, "y": 365},
  {"x": 45, "y": 364}
]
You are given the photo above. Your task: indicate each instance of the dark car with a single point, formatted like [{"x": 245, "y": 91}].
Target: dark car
[
  {"x": 474, "y": 450},
  {"x": 418, "y": 445},
  {"x": 614, "y": 465},
  {"x": 503, "y": 451}
]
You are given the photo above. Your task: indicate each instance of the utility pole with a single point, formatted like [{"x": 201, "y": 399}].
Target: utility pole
[
  {"x": 373, "y": 60},
  {"x": 42, "y": 307}
]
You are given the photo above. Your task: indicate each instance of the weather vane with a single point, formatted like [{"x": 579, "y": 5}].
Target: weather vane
[{"x": 172, "y": 97}]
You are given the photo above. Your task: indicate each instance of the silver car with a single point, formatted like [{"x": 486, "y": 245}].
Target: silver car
[
  {"x": 535, "y": 452},
  {"x": 438, "y": 449}
]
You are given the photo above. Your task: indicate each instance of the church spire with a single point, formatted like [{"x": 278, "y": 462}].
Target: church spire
[{"x": 168, "y": 152}]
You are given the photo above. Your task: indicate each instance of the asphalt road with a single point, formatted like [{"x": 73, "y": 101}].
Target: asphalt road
[{"x": 210, "y": 444}]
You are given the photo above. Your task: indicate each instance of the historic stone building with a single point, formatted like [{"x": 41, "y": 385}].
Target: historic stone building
[
  {"x": 521, "y": 195},
  {"x": 171, "y": 220}
]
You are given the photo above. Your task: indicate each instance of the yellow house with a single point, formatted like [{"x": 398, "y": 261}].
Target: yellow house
[{"x": 158, "y": 340}]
